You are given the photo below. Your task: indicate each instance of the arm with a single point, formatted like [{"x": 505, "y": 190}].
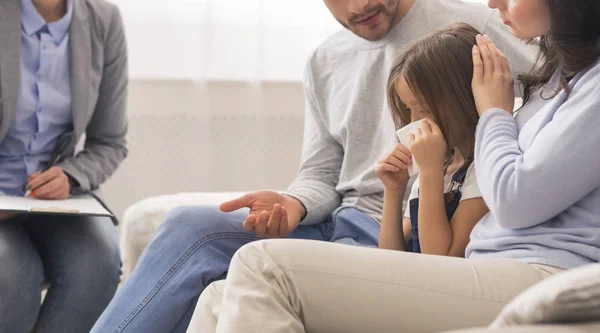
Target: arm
[
  {"x": 391, "y": 235},
  {"x": 437, "y": 235},
  {"x": 105, "y": 145},
  {"x": 524, "y": 189},
  {"x": 322, "y": 156}
]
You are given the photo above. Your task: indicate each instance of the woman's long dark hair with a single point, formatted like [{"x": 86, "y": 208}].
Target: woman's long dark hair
[{"x": 571, "y": 45}]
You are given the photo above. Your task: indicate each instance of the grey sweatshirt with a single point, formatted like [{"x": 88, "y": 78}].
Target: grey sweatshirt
[{"x": 348, "y": 126}]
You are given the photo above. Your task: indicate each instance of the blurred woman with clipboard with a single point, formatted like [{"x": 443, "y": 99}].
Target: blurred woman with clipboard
[{"x": 63, "y": 73}]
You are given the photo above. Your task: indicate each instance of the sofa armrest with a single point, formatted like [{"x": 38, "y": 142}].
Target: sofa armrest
[{"x": 566, "y": 328}]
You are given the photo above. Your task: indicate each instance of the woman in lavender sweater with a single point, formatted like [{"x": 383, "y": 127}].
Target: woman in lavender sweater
[{"x": 539, "y": 173}]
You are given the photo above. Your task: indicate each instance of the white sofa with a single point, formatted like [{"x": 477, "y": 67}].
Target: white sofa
[{"x": 143, "y": 218}]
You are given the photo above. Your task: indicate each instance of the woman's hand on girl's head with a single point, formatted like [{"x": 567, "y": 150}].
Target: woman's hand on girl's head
[
  {"x": 428, "y": 146},
  {"x": 493, "y": 86},
  {"x": 392, "y": 169}
]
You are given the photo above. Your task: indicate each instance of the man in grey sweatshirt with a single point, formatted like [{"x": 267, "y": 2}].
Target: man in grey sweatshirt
[{"x": 336, "y": 196}]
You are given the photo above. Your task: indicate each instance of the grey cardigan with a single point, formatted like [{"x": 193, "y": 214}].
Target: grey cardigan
[{"x": 99, "y": 87}]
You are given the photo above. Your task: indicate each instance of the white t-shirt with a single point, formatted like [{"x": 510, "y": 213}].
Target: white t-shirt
[{"x": 469, "y": 188}]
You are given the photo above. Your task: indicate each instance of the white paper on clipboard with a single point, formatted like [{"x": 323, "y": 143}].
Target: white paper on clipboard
[{"x": 75, "y": 205}]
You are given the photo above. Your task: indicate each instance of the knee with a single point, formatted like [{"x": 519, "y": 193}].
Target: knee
[
  {"x": 20, "y": 283},
  {"x": 284, "y": 254},
  {"x": 212, "y": 295},
  {"x": 95, "y": 269},
  {"x": 256, "y": 256},
  {"x": 191, "y": 220}
]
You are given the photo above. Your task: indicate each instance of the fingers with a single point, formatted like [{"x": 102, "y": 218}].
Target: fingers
[
  {"x": 387, "y": 167},
  {"x": 425, "y": 126},
  {"x": 55, "y": 189},
  {"x": 496, "y": 58},
  {"x": 274, "y": 222},
  {"x": 261, "y": 225},
  {"x": 418, "y": 133},
  {"x": 404, "y": 150},
  {"x": 43, "y": 178},
  {"x": 477, "y": 65},
  {"x": 486, "y": 56},
  {"x": 235, "y": 204},
  {"x": 398, "y": 158},
  {"x": 505, "y": 65},
  {"x": 434, "y": 128},
  {"x": 249, "y": 223},
  {"x": 33, "y": 175},
  {"x": 284, "y": 227}
]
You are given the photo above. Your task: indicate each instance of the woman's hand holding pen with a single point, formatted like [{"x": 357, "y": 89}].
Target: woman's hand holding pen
[{"x": 52, "y": 184}]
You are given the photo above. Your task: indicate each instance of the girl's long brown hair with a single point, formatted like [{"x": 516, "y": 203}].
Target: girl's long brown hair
[
  {"x": 571, "y": 45},
  {"x": 439, "y": 71}
]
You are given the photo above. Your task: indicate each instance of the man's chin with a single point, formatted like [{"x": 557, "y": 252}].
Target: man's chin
[{"x": 373, "y": 34}]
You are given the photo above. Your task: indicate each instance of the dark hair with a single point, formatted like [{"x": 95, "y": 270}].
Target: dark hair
[
  {"x": 439, "y": 71},
  {"x": 571, "y": 45}
]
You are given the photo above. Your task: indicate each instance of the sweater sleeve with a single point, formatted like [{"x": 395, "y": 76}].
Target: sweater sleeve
[
  {"x": 321, "y": 163},
  {"x": 559, "y": 167}
]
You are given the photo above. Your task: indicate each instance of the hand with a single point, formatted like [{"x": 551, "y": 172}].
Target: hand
[
  {"x": 272, "y": 215},
  {"x": 52, "y": 184},
  {"x": 5, "y": 216},
  {"x": 428, "y": 146},
  {"x": 493, "y": 86},
  {"x": 392, "y": 169}
]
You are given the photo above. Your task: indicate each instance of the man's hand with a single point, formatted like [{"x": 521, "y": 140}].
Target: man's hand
[
  {"x": 52, "y": 184},
  {"x": 272, "y": 215}
]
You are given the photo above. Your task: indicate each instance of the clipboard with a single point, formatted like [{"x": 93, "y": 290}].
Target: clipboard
[{"x": 74, "y": 205}]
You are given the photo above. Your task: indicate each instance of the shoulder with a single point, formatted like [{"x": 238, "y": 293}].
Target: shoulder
[
  {"x": 104, "y": 17},
  {"x": 589, "y": 83},
  {"x": 336, "y": 49},
  {"x": 98, "y": 9}
]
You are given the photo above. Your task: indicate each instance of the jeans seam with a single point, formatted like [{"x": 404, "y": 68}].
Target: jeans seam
[{"x": 175, "y": 267}]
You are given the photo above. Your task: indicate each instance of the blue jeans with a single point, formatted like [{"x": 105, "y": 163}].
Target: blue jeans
[
  {"x": 78, "y": 256},
  {"x": 193, "y": 248}
]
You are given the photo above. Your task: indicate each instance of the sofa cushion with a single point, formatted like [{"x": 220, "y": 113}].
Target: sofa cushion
[{"x": 571, "y": 296}]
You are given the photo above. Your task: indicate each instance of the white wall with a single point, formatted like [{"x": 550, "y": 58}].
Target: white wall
[{"x": 220, "y": 136}]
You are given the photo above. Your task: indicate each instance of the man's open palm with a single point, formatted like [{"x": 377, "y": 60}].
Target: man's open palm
[{"x": 272, "y": 215}]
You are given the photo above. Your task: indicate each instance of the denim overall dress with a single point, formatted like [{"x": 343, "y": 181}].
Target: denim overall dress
[{"x": 451, "y": 201}]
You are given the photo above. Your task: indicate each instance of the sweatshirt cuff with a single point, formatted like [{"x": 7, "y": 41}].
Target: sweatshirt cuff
[
  {"x": 314, "y": 212},
  {"x": 79, "y": 178}
]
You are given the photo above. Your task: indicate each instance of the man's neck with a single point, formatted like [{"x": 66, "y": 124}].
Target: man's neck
[
  {"x": 51, "y": 10},
  {"x": 404, "y": 7}
]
